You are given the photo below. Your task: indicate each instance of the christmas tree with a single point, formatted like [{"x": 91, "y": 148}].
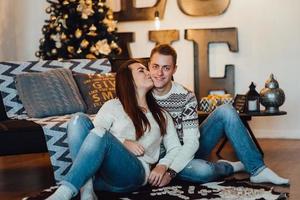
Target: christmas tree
[{"x": 78, "y": 29}]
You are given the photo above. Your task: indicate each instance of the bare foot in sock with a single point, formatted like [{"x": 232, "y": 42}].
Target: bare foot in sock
[
  {"x": 267, "y": 175},
  {"x": 237, "y": 166},
  {"x": 87, "y": 191},
  {"x": 88, "y": 195},
  {"x": 62, "y": 193}
]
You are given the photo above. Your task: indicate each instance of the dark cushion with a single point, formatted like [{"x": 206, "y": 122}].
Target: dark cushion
[
  {"x": 96, "y": 89},
  {"x": 49, "y": 93}
]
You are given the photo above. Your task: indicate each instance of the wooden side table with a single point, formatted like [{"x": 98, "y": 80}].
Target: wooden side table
[{"x": 245, "y": 117}]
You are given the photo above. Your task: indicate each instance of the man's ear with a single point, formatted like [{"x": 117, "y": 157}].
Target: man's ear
[{"x": 175, "y": 69}]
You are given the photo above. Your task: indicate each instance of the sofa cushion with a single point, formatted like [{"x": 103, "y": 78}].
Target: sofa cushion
[
  {"x": 96, "y": 89},
  {"x": 8, "y": 70},
  {"x": 49, "y": 93}
]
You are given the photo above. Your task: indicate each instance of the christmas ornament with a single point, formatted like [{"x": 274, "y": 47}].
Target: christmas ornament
[
  {"x": 103, "y": 47},
  {"x": 65, "y": 2},
  {"x": 90, "y": 56},
  {"x": 44, "y": 30},
  {"x": 63, "y": 36},
  {"x": 48, "y": 10},
  {"x": 58, "y": 45},
  {"x": 111, "y": 24},
  {"x": 58, "y": 28},
  {"x": 54, "y": 51},
  {"x": 37, "y": 54},
  {"x": 53, "y": 18},
  {"x": 84, "y": 43},
  {"x": 85, "y": 8},
  {"x": 93, "y": 49},
  {"x": 70, "y": 49},
  {"x": 78, "y": 33},
  {"x": 92, "y": 30}
]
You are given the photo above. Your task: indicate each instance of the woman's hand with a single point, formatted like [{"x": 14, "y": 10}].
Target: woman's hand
[
  {"x": 134, "y": 147},
  {"x": 165, "y": 180},
  {"x": 156, "y": 175}
]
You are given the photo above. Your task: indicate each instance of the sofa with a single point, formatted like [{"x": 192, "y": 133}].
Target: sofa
[{"x": 20, "y": 133}]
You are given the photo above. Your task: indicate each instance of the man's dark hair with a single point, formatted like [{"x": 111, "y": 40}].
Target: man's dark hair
[{"x": 165, "y": 49}]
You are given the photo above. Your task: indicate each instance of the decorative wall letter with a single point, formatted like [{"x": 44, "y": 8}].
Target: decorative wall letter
[
  {"x": 129, "y": 13},
  {"x": 203, "y": 7},
  {"x": 124, "y": 39},
  {"x": 164, "y": 36},
  {"x": 202, "y": 38}
]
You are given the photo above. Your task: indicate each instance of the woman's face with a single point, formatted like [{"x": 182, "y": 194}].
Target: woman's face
[{"x": 141, "y": 77}]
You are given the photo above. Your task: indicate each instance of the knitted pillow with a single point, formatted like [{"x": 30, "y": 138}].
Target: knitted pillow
[
  {"x": 49, "y": 93},
  {"x": 96, "y": 89}
]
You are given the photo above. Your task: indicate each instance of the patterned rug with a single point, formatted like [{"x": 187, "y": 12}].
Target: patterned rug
[{"x": 232, "y": 189}]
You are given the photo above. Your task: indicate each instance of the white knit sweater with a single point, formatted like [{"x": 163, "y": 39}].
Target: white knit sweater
[{"x": 114, "y": 119}]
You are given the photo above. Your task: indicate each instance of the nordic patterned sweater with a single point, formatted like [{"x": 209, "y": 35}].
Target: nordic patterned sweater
[{"x": 182, "y": 106}]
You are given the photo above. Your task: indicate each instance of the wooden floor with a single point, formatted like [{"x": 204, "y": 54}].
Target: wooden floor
[{"x": 23, "y": 175}]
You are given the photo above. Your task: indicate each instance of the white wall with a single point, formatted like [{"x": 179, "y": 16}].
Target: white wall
[{"x": 268, "y": 34}]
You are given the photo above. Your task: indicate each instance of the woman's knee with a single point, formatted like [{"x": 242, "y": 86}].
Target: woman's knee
[
  {"x": 80, "y": 119},
  {"x": 79, "y": 124}
]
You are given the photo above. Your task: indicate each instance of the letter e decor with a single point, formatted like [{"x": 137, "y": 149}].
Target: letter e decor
[{"x": 202, "y": 38}]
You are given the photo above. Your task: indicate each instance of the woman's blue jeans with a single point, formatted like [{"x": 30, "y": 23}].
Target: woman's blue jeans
[
  {"x": 223, "y": 121},
  {"x": 100, "y": 156}
]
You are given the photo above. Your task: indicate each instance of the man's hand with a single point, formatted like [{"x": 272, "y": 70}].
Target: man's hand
[
  {"x": 134, "y": 147},
  {"x": 165, "y": 180},
  {"x": 157, "y": 174}
]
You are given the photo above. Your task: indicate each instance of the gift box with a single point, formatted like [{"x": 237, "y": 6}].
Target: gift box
[{"x": 209, "y": 103}]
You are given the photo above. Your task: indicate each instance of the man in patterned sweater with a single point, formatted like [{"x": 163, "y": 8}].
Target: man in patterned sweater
[{"x": 224, "y": 121}]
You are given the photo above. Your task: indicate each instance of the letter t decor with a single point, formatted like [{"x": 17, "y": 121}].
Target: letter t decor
[{"x": 202, "y": 38}]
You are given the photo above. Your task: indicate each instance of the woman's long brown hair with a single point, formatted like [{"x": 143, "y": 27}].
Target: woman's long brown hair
[{"x": 126, "y": 92}]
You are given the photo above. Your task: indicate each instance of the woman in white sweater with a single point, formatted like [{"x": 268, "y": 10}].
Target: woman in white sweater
[{"x": 116, "y": 152}]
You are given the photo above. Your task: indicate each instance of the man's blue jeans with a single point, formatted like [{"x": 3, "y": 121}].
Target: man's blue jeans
[
  {"x": 223, "y": 121},
  {"x": 100, "y": 156}
]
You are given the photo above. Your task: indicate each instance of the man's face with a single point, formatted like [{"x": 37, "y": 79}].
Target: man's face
[{"x": 161, "y": 69}]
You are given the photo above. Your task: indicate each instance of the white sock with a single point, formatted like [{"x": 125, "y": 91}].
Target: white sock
[
  {"x": 267, "y": 175},
  {"x": 87, "y": 191},
  {"x": 237, "y": 166},
  {"x": 62, "y": 193}
]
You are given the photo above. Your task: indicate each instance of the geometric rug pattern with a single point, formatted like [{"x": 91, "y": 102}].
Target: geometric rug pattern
[
  {"x": 231, "y": 189},
  {"x": 54, "y": 127}
]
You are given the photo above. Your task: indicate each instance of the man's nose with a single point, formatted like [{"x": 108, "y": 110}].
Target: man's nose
[{"x": 160, "y": 71}]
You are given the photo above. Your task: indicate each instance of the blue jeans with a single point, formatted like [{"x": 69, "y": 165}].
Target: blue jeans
[
  {"x": 100, "y": 156},
  {"x": 223, "y": 121}
]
